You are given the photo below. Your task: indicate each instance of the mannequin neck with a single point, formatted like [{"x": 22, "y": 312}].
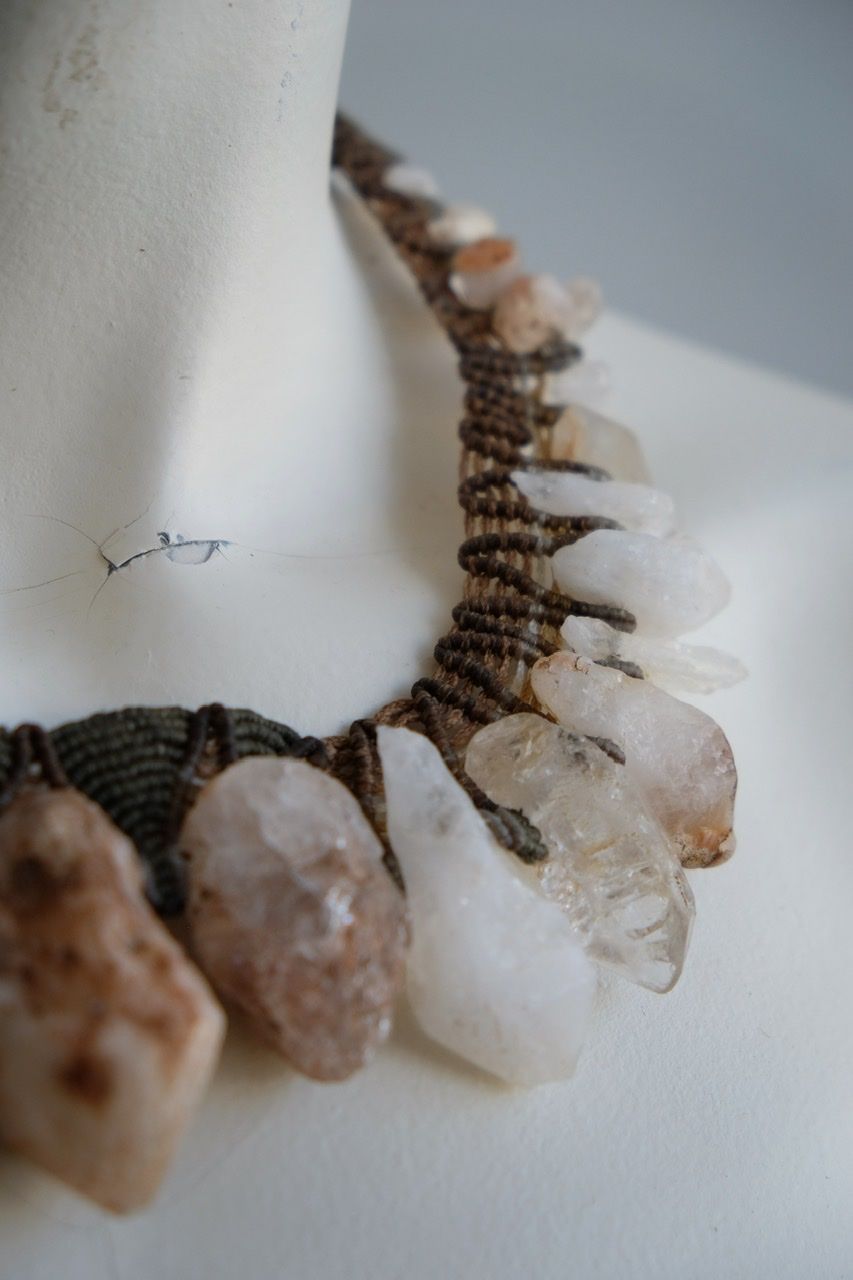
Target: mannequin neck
[
  {"x": 166, "y": 190},
  {"x": 199, "y": 346}
]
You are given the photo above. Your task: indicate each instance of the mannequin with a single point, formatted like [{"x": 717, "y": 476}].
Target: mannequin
[{"x": 199, "y": 344}]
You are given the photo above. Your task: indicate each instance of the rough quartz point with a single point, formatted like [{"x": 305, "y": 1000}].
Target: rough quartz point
[
  {"x": 570, "y": 493},
  {"x": 292, "y": 914},
  {"x": 582, "y": 435},
  {"x": 678, "y": 668},
  {"x": 669, "y": 584},
  {"x": 533, "y": 309},
  {"x": 461, "y": 224},
  {"x": 108, "y": 1034},
  {"x": 496, "y": 972},
  {"x": 677, "y": 755},
  {"x": 610, "y": 866},
  {"x": 481, "y": 271},
  {"x": 584, "y": 383},
  {"x": 409, "y": 180}
]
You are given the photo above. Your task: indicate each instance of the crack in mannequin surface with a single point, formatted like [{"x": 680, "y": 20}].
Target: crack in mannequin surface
[{"x": 200, "y": 346}]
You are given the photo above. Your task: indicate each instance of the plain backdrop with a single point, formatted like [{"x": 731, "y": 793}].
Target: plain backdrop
[{"x": 694, "y": 155}]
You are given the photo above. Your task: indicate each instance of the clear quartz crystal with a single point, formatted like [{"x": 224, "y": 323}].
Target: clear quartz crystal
[
  {"x": 670, "y": 584},
  {"x": 496, "y": 973},
  {"x": 585, "y": 383},
  {"x": 582, "y": 435},
  {"x": 678, "y": 668},
  {"x": 677, "y": 755},
  {"x": 570, "y": 493},
  {"x": 610, "y": 866}
]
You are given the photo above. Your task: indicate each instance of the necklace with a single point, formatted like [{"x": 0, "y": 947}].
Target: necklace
[{"x": 523, "y": 817}]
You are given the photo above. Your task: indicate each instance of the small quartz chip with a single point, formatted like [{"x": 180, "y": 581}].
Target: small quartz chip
[
  {"x": 570, "y": 493},
  {"x": 482, "y": 270},
  {"x": 678, "y": 668},
  {"x": 582, "y": 435},
  {"x": 535, "y": 309},
  {"x": 669, "y": 584}
]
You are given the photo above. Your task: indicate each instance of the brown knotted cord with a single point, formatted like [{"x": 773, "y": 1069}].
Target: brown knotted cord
[{"x": 145, "y": 765}]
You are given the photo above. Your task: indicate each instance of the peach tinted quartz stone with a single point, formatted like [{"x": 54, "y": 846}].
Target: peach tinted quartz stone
[
  {"x": 108, "y": 1033},
  {"x": 481, "y": 271},
  {"x": 292, "y": 915}
]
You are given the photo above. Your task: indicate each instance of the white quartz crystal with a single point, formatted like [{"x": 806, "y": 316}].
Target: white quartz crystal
[
  {"x": 582, "y": 435},
  {"x": 496, "y": 972},
  {"x": 585, "y": 383},
  {"x": 410, "y": 180},
  {"x": 678, "y": 668},
  {"x": 482, "y": 270},
  {"x": 610, "y": 866},
  {"x": 569, "y": 493},
  {"x": 534, "y": 309},
  {"x": 677, "y": 755},
  {"x": 670, "y": 584},
  {"x": 461, "y": 224}
]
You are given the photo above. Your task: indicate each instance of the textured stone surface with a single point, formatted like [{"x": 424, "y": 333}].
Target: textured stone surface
[
  {"x": 670, "y": 584},
  {"x": 496, "y": 972},
  {"x": 292, "y": 914},
  {"x": 610, "y": 866},
  {"x": 483, "y": 269},
  {"x": 570, "y": 493},
  {"x": 108, "y": 1034},
  {"x": 534, "y": 309},
  {"x": 678, "y": 668},
  {"x": 582, "y": 435},
  {"x": 678, "y": 756}
]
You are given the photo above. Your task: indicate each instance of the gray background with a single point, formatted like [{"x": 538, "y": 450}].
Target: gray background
[{"x": 695, "y": 155}]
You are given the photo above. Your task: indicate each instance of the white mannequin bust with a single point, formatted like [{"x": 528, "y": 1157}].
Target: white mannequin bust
[
  {"x": 193, "y": 340},
  {"x": 198, "y": 341}
]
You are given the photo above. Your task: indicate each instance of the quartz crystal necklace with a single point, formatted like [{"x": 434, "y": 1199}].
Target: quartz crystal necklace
[{"x": 521, "y": 819}]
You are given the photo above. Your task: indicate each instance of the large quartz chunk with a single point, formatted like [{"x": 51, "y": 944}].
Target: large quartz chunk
[
  {"x": 678, "y": 668},
  {"x": 108, "y": 1034},
  {"x": 570, "y": 493},
  {"x": 610, "y": 866},
  {"x": 582, "y": 435},
  {"x": 292, "y": 914},
  {"x": 496, "y": 972},
  {"x": 678, "y": 757},
  {"x": 670, "y": 584}
]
